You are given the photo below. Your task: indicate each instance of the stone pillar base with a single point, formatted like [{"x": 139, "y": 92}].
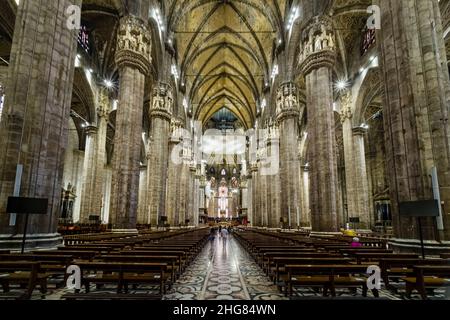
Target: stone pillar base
[
  {"x": 432, "y": 247},
  {"x": 33, "y": 241},
  {"x": 130, "y": 231}
]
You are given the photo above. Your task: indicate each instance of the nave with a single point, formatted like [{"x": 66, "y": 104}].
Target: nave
[{"x": 250, "y": 264}]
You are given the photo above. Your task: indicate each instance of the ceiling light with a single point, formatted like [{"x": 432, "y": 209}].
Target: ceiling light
[
  {"x": 108, "y": 83},
  {"x": 175, "y": 71},
  {"x": 341, "y": 85}
]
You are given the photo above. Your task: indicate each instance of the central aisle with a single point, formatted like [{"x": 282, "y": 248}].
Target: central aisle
[{"x": 224, "y": 271}]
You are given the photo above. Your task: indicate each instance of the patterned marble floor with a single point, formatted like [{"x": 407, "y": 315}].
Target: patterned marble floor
[{"x": 224, "y": 271}]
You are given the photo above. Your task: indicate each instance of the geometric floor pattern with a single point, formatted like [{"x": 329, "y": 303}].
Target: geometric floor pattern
[{"x": 224, "y": 271}]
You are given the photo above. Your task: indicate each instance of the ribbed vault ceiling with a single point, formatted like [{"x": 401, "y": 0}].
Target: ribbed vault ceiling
[{"x": 225, "y": 51}]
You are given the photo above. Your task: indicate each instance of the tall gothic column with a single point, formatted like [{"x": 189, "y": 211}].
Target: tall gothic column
[
  {"x": 416, "y": 107},
  {"x": 197, "y": 196},
  {"x": 92, "y": 197},
  {"x": 262, "y": 179},
  {"x": 356, "y": 180},
  {"x": 33, "y": 128},
  {"x": 288, "y": 112},
  {"x": 254, "y": 214},
  {"x": 317, "y": 59},
  {"x": 133, "y": 57},
  {"x": 274, "y": 185},
  {"x": 160, "y": 115},
  {"x": 184, "y": 175},
  {"x": 173, "y": 179},
  {"x": 191, "y": 193}
]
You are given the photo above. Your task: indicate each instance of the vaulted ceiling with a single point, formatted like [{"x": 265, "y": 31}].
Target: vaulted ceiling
[{"x": 225, "y": 52}]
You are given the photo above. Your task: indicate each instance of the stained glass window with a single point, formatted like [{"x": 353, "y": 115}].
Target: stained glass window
[
  {"x": 83, "y": 38},
  {"x": 369, "y": 39}
]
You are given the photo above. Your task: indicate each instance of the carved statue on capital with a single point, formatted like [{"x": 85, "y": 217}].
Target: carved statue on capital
[
  {"x": 317, "y": 44},
  {"x": 103, "y": 105},
  {"x": 287, "y": 101},
  {"x": 176, "y": 130},
  {"x": 162, "y": 103},
  {"x": 134, "y": 44}
]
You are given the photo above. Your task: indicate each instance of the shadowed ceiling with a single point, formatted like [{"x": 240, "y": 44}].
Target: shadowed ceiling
[{"x": 225, "y": 52}]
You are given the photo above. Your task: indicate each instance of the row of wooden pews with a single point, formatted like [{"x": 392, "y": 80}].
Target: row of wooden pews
[
  {"x": 155, "y": 260},
  {"x": 327, "y": 263}
]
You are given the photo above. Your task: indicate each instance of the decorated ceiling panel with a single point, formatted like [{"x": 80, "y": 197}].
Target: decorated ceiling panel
[{"x": 225, "y": 52}]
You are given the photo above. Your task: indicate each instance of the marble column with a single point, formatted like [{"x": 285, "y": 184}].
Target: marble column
[
  {"x": 258, "y": 194},
  {"x": 273, "y": 177},
  {"x": 133, "y": 58},
  {"x": 184, "y": 179},
  {"x": 35, "y": 116},
  {"x": 173, "y": 178},
  {"x": 317, "y": 59},
  {"x": 191, "y": 193},
  {"x": 415, "y": 113},
  {"x": 92, "y": 197},
  {"x": 288, "y": 112},
  {"x": 142, "y": 205},
  {"x": 255, "y": 214},
  {"x": 305, "y": 213},
  {"x": 197, "y": 196},
  {"x": 250, "y": 198},
  {"x": 160, "y": 115},
  {"x": 262, "y": 192},
  {"x": 356, "y": 180}
]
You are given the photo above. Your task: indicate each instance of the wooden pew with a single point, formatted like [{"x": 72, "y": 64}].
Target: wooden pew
[
  {"x": 172, "y": 261},
  {"x": 397, "y": 269},
  {"x": 123, "y": 273},
  {"x": 269, "y": 256},
  {"x": 76, "y": 254},
  {"x": 96, "y": 249},
  {"x": 328, "y": 277},
  {"x": 27, "y": 273},
  {"x": 427, "y": 277},
  {"x": 281, "y": 263},
  {"x": 364, "y": 257}
]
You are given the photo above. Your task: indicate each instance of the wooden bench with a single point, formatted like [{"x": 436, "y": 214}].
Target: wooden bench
[
  {"x": 427, "y": 277},
  {"x": 123, "y": 273},
  {"x": 76, "y": 254},
  {"x": 183, "y": 256},
  {"x": 395, "y": 270},
  {"x": 173, "y": 262},
  {"x": 375, "y": 257},
  {"x": 24, "y": 273},
  {"x": 268, "y": 257},
  {"x": 329, "y": 277},
  {"x": 280, "y": 268}
]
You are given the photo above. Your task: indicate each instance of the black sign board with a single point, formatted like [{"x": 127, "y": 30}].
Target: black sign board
[
  {"x": 22, "y": 205},
  {"x": 427, "y": 208},
  {"x": 354, "y": 219}
]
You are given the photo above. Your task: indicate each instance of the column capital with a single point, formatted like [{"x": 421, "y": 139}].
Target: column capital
[
  {"x": 134, "y": 45},
  {"x": 176, "y": 130},
  {"x": 162, "y": 102},
  {"x": 254, "y": 167},
  {"x": 91, "y": 130},
  {"x": 287, "y": 102},
  {"x": 318, "y": 45},
  {"x": 103, "y": 105},
  {"x": 359, "y": 131}
]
